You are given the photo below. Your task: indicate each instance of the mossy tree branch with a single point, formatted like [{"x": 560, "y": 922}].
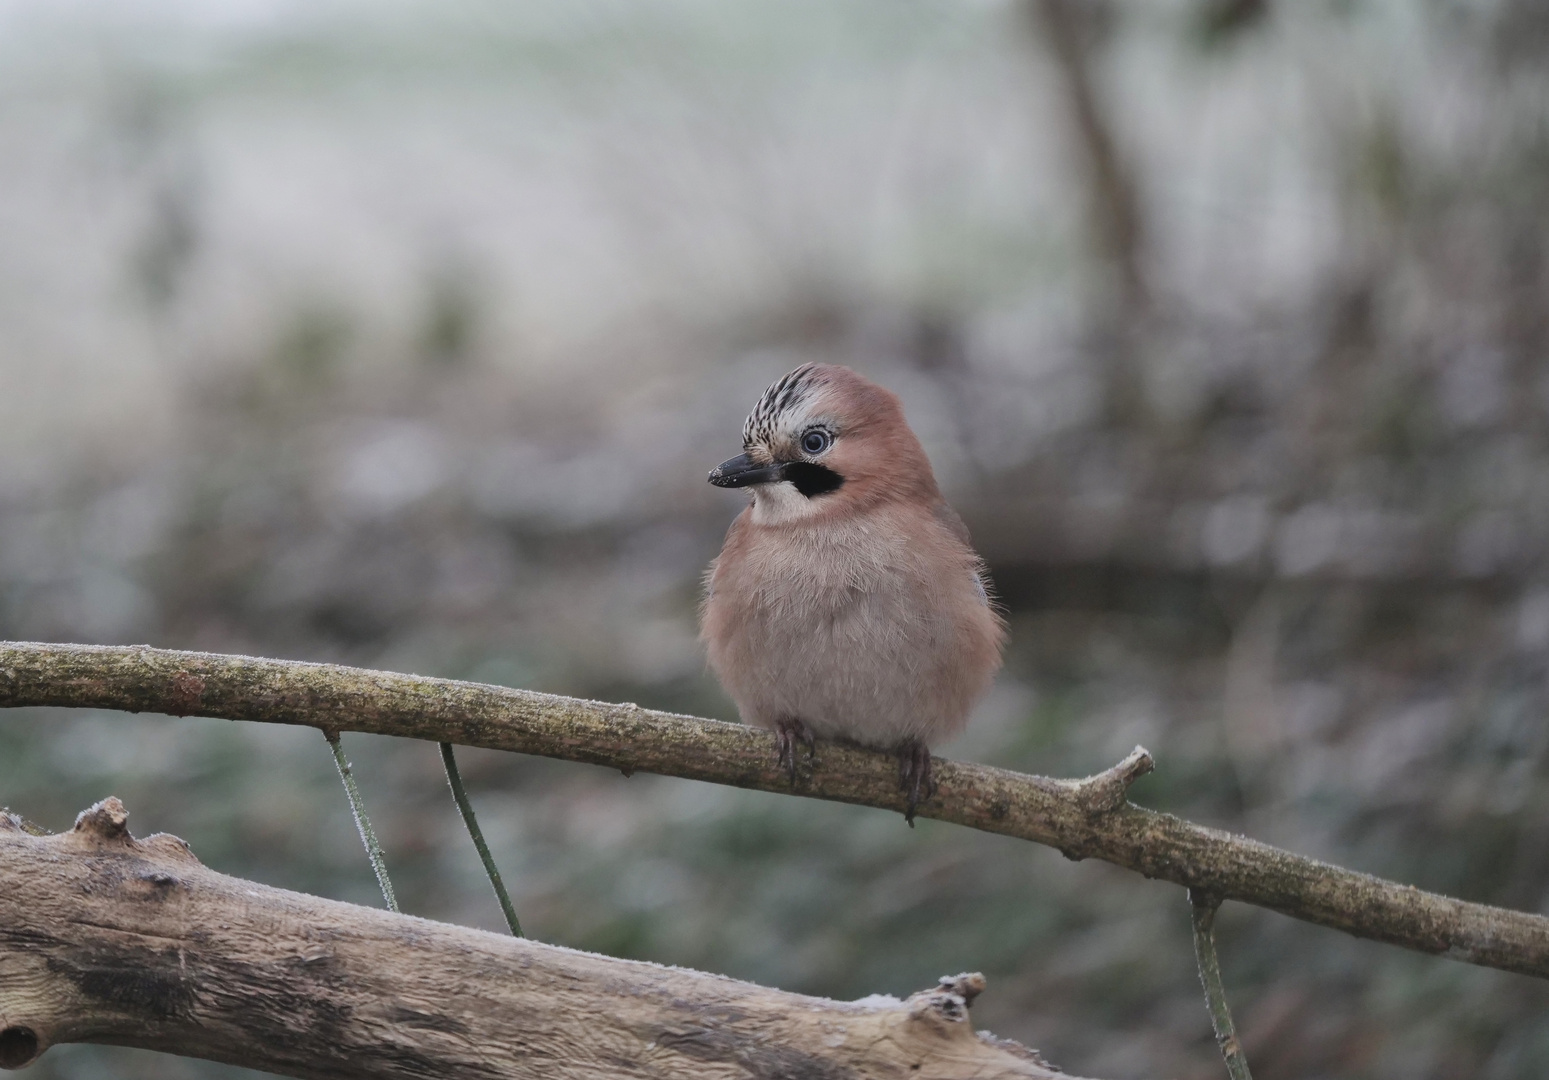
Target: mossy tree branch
[{"x": 1082, "y": 819}]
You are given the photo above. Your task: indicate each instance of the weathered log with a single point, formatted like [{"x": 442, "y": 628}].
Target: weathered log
[
  {"x": 108, "y": 939},
  {"x": 1083, "y": 819}
]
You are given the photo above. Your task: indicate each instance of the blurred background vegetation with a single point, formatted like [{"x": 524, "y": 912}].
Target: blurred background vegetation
[{"x": 403, "y": 333}]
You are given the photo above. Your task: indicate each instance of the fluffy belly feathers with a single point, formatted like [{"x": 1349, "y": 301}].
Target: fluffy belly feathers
[{"x": 857, "y": 641}]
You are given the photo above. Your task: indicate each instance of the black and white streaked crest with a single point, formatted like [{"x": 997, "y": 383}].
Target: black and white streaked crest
[{"x": 785, "y": 394}]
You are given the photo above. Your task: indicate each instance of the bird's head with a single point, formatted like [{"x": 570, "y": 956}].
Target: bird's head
[{"x": 822, "y": 440}]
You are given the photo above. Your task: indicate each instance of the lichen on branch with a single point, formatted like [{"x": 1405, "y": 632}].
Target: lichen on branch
[{"x": 1082, "y": 818}]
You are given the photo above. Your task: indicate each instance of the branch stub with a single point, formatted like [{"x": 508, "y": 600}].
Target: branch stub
[{"x": 106, "y": 820}]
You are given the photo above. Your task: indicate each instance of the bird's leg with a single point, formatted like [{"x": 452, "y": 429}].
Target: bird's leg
[
  {"x": 914, "y": 776},
  {"x": 788, "y": 733}
]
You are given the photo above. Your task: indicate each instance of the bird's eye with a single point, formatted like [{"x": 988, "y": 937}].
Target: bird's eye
[{"x": 815, "y": 441}]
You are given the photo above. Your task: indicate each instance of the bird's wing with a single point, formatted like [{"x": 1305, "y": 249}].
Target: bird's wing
[
  {"x": 984, "y": 593},
  {"x": 949, "y": 517},
  {"x": 954, "y": 524}
]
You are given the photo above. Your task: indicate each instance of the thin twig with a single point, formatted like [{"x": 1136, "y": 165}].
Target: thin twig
[
  {"x": 629, "y": 738},
  {"x": 362, "y": 822},
  {"x": 1204, "y": 912},
  {"x": 454, "y": 778}
]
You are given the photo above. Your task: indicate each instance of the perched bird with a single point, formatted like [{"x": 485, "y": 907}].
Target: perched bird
[{"x": 847, "y": 602}]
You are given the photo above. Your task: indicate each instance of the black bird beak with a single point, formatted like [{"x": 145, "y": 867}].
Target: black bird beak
[{"x": 741, "y": 471}]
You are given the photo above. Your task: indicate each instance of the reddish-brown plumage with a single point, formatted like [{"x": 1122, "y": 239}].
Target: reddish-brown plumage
[{"x": 861, "y": 612}]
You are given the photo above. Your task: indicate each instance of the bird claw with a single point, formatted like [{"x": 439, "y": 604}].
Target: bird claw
[
  {"x": 787, "y": 734},
  {"x": 915, "y": 777}
]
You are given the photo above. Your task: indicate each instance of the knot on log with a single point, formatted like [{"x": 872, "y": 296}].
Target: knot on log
[
  {"x": 968, "y": 985},
  {"x": 947, "y": 1003},
  {"x": 106, "y": 821},
  {"x": 168, "y": 846},
  {"x": 938, "y": 1018}
]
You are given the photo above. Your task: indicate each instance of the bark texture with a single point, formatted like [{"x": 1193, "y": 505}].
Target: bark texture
[
  {"x": 107, "y": 939},
  {"x": 1083, "y": 819}
]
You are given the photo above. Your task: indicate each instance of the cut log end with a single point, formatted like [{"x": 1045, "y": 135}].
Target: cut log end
[{"x": 19, "y": 1047}]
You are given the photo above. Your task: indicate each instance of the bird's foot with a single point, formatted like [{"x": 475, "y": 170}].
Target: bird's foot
[
  {"x": 787, "y": 734},
  {"x": 914, "y": 776}
]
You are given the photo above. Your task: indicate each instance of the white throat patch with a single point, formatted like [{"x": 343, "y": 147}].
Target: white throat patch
[{"x": 780, "y": 503}]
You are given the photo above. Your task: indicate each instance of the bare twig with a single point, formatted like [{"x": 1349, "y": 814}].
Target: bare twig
[
  {"x": 629, "y": 738},
  {"x": 465, "y": 807},
  {"x": 1204, "y": 910},
  {"x": 362, "y": 822}
]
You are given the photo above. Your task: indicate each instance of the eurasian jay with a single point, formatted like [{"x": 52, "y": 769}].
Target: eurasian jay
[{"x": 847, "y": 602}]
